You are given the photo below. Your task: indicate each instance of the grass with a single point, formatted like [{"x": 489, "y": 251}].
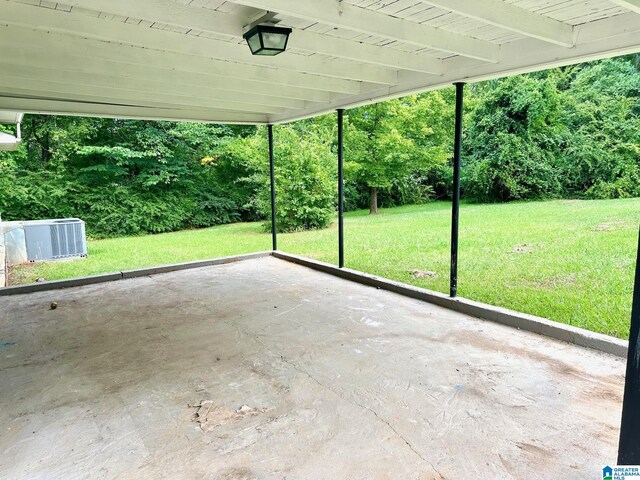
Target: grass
[{"x": 570, "y": 261}]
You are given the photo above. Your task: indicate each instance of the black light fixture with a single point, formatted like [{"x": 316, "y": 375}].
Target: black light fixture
[{"x": 267, "y": 39}]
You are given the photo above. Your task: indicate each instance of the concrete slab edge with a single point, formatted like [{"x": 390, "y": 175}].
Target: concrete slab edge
[
  {"x": 142, "y": 272},
  {"x": 111, "y": 277},
  {"x": 539, "y": 325}
]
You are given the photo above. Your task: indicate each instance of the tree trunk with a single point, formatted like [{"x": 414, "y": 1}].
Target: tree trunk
[{"x": 373, "y": 200}]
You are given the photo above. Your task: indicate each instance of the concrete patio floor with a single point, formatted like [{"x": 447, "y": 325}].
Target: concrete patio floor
[{"x": 299, "y": 374}]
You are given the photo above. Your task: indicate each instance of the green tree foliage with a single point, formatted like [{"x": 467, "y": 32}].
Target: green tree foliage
[
  {"x": 511, "y": 144},
  {"x": 602, "y": 113},
  {"x": 306, "y": 189},
  {"x": 121, "y": 177},
  {"x": 398, "y": 144},
  {"x": 305, "y": 170},
  {"x": 571, "y": 132}
]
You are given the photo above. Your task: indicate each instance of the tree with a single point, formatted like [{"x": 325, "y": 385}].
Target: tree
[
  {"x": 567, "y": 132},
  {"x": 305, "y": 174},
  {"x": 387, "y": 142},
  {"x": 512, "y": 142},
  {"x": 122, "y": 177},
  {"x": 602, "y": 112}
]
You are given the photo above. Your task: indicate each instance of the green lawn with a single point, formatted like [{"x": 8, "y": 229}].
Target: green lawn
[{"x": 570, "y": 261}]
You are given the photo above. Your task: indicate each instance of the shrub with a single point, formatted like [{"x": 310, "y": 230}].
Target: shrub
[{"x": 306, "y": 186}]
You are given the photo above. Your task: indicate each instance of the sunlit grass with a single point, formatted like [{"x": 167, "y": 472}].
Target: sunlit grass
[{"x": 570, "y": 261}]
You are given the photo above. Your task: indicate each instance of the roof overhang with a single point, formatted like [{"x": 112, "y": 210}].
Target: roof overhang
[
  {"x": 171, "y": 60},
  {"x": 10, "y": 117},
  {"x": 8, "y": 142}
]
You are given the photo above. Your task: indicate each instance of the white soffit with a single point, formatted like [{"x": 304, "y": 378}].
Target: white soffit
[
  {"x": 8, "y": 143},
  {"x": 186, "y": 60},
  {"x": 10, "y": 117}
]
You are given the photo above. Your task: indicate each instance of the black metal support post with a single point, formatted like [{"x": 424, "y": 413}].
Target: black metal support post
[
  {"x": 274, "y": 235},
  {"x": 340, "y": 189},
  {"x": 455, "y": 209},
  {"x": 629, "y": 446}
]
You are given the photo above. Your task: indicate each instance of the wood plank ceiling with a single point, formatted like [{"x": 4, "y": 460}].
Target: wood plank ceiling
[{"x": 186, "y": 59}]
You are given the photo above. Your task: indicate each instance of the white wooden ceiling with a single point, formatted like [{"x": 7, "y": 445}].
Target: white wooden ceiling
[{"x": 186, "y": 59}]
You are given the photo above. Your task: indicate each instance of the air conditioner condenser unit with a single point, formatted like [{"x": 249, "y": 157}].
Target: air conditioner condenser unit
[{"x": 55, "y": 239}]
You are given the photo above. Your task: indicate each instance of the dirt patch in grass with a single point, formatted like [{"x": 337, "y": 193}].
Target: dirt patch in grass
[
  {"x": 609, "y": 226},
  {"x": 562, "y": 280},
  {"x": 20, "y": 274},
  {"x": 416, "y": 274},
  {"x": 524, "y": 248}
]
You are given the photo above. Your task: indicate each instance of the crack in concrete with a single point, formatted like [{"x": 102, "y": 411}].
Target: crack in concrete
[
  {"x": 256, "y": 337},
  {"x": 363, "y": 407}
]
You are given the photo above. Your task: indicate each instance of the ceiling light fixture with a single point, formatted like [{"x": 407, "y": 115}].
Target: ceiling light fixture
[{"x": 267, "y": 39}]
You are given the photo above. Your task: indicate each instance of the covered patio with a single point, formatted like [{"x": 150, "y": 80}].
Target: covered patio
[
  {"x": 300, "y": 374},
  {"x": 257, "y": 368}
]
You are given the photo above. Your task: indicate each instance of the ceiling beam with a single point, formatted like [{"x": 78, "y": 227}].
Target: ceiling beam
[
  {"x": 75, "y": 93},
  {"x": 54, "y": 67},
  {"x": 204, "y": 19},
  {"x": 610, "y": 37},
  {"x": 102, "y": 110},
  {"x": 95, "y": 56},
  {"x": 510, "y": 17},
  {"x": 115, "y": 31},
  {"x": 23, "y": 75},
  {"x": 362, "y": 20},
  {"x": 633, "y": 5}
]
